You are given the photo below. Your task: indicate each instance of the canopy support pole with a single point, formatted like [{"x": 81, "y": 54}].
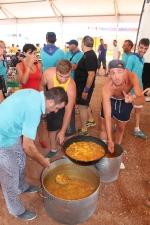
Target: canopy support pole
[
  {"x": 117, "y": 16},
  {"x": 55, "y": 10}
]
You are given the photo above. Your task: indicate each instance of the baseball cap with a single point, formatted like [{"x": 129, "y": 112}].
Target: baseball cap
[
  {"x": 114, "y": 64},
  {"x": 72, "y": 42}
]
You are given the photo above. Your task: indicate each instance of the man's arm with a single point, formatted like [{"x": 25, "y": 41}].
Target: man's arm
[
  {"x": 98, "y": 50},
  {"x": 71, "y": 92},
  {"x": 1, "y": 92},
  {"x": 74, "y": 66},
  {"x": 43, "y": 82},
  {"x": 31, "y": 150},
  {"x": 91, "y": 75},
  {"x": 105, "y": 46},
  {"x": 119, "y": 54},
  {"x": 45, "y": 79},
  {"x": 107, "y": 111},
  {"x": 107, "y": 116},
  {"x": 1, "y": 96}
]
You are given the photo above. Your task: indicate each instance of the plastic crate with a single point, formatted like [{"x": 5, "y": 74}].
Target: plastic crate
[{"x": 12, "y": 84}]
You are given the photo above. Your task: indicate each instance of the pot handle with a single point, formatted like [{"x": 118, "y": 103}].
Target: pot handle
[{"x": 41, "y": 189}]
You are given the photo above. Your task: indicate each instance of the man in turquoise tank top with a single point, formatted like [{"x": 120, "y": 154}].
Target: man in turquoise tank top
[
  {"x": 51, "y": 54},
  {"x": 135, "y": 64},
  {"x": 127, "y": 47},
  {"x": 73, "y": 55}
]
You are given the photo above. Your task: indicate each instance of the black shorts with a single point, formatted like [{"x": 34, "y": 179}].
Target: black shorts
[
  {"x": 55, "y": 120},
  {"x": 103, "y": 61},
  {"x": 120, "y": 110},
  {"x": 79, "y": 100}
]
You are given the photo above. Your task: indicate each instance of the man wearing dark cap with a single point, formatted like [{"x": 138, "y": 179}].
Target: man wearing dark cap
[
  {"x": 51, "y": 54},
  {"x": 117, "y": 101},
  {"x": 73, "y": 55}
]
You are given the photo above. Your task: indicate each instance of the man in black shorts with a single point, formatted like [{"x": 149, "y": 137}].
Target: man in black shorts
[
  {"x": 61, "y": 125},
  {"x": 85, "y": 81},
  {"x": 117, "y": 101},
  {"x": 102, "y": 50}
]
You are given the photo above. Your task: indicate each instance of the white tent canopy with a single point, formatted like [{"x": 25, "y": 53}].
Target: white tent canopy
[{"x": 70, "y": 11}]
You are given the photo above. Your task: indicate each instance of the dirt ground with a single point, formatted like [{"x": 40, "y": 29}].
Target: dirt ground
[{"x": 121, "y": 202}]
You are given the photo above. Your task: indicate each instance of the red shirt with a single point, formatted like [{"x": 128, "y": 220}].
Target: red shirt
[{"x": 34, "y": 78}]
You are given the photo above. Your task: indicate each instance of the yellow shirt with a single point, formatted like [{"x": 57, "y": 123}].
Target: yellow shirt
[{"x": 57, "y": 84}]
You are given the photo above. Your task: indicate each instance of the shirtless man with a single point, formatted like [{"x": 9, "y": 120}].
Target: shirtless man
[
  {"x": 60, "y": 124},
  {"x": 117, "y": 101}
]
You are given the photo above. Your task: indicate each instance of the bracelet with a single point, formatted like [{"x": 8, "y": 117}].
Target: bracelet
[
  {"x": 86, "y": 89},
  {"x": 62, "y": 132}
]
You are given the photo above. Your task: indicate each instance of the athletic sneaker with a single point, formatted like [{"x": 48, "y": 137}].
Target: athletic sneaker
[
  {"x": 85, "y": 133},
  {"x": 27, "y": 215},
  {"x": 139, "y": 134},
  {"x": 51, "y": 154},
  {"x": 91, "y": 124},
  {"x": 32, "y": 189}
]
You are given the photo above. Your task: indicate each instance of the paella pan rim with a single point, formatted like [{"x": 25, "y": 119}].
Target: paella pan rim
[{"x": 85, "y": 139}]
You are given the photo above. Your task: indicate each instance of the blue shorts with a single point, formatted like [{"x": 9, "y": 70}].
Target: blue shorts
[{"x": 120, "y": 110}]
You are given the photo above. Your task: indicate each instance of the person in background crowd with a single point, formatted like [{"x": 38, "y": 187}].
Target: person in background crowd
[
  {"x": 51, "y": 54},
  {"x": 30, "y": 72},
  {"x": 3, "y": 66},
  {"x": 38, "y": 48},
  {"x": 135, "y": 64},
  {"x": 20, "y": 114},
  {"x": 73, "y": 55},
  {"x": 117, "y": 101},
  {"x": 16, "y": 59},
  {"x": 60, "y": 125},
  {"x": 85, "y": 82},
  {"x": 127, "y": 50},
  {"x": 17, "y": 46},
  {"x": 21, "y": 55},
  {"x": 116, "y": 50},
  {"x": 102, "y": 50},
  {"x": 13, "y": 49},
  {"x": 66, "y": 49}
]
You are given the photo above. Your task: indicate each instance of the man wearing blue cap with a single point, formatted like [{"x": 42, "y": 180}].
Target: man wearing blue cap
[
  {"x": 117, "y": 101},
  {"x": 73, "y": 55}
]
